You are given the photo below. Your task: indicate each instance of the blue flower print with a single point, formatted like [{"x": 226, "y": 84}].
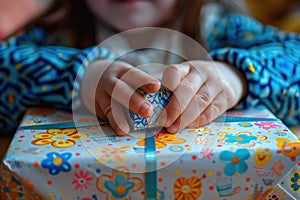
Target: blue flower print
[
  {"x": 56, "y": 162},
  {"x": 239, "y": 138},
  {"x": 294, "y": 181},
  {"x": 235, "y": 162},
  {"x": 120, "y": 187}
]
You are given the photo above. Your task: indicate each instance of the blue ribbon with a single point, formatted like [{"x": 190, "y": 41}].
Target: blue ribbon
[
  {"x": 243, "y": 119},
  {"x": 151, "y": 173},
  {"x": 60, "y": 125}
]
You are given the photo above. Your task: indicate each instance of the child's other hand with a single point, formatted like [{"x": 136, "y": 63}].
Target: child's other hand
[
  {"x": 106, "y": 87},
  {"x": 202, "y": 91}
]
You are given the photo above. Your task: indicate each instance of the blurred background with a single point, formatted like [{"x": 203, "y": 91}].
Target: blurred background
[
  {"x": 284, "y": 14},
  {"x": 16, "y": 13}
]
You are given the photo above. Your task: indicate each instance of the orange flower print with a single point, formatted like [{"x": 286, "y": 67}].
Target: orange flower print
[
  {"x": 187, "y": 188},
  {"x": 162, "y": 139},
  {"x": 59, "y": 138},
  {"x": 115, "y": 155}
]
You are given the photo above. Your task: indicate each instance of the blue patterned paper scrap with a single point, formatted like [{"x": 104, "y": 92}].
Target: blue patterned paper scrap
[{"x": 159, "y": 101}]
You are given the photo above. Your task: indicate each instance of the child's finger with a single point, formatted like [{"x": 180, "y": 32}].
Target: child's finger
[
  {"x": 189, "y": 115},
  {"x": 214, "y": 110},
  {"x": 112, "y": 110},
  {"x": 128, "y": 97},
  {"x": 182, "y": 96},
  {"x": 102, "y": 104},
  {"x": 118, "y": 120},
  {"x": 173, "y": 75},
  {"x": 139, "y": 79}
]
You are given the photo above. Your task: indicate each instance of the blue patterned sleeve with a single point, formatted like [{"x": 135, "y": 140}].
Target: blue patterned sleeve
[
  {"x": 269, "y": 59},
  {"x": 32, "y": 74}
]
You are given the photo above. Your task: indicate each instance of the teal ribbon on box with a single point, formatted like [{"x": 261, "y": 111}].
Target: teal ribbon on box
[
  {"x": 151, "y": 169},
  {"x": 242, "y": 119},
  {"x": 60, "y": 125}
]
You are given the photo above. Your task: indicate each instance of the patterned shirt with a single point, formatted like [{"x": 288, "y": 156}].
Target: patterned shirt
[
  {"x": 34, "y": 74},
  {"x": 269, "y": 59}
]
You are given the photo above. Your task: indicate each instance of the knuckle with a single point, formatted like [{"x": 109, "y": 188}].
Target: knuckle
[
  {"x": 189, "y": 86},
  {"x": 172, "y": 68},
  {"x": 203, "y": 98}
]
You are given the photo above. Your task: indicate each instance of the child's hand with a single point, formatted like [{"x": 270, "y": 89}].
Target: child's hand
[
  {"x": 202, "y": 91},
  {"x": 106, "y": 87}
]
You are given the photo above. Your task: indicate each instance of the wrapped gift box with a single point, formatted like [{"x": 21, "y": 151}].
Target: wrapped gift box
[{"x": 241, "y": 155}]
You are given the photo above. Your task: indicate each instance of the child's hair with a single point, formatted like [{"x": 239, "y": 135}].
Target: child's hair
[{"x": 74, "y": 18}]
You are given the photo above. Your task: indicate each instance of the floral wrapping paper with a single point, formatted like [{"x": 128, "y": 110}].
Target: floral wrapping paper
[{"x": 242, "y": 155}]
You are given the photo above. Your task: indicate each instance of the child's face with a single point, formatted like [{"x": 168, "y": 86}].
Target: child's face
[{"x": 127, "y": 14}]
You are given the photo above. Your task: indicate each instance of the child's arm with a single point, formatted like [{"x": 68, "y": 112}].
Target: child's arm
[
  {"x": 268, "y": 58},
  {"x": 35, "y": 75}
]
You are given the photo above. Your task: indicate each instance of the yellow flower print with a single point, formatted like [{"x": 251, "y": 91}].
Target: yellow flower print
[
  {"x": 187, "y": 189},
  {"x": 59, "y": 138},
  {"x": 229, "y": 128},
  {"x": 200, "y": 131},
  {"x": 162, "y": 139}
]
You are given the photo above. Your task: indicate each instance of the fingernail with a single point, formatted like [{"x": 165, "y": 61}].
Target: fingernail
[
  {"x": 174, "y": 128},
  {"x": 145, "y": 109}
]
